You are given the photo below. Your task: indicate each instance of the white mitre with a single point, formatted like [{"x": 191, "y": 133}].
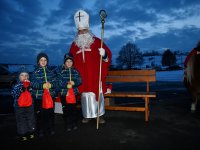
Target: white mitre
[{"x": 81, "y": 19}]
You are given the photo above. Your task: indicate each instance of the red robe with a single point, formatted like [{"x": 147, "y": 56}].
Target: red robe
[{"x": 89, "y": 69}]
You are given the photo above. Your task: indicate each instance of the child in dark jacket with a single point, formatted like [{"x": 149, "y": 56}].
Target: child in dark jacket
[
  {"x": 68, "y": 79},
  {"x": 23, "y": 106},
  {"x": 44, "y": 79}
]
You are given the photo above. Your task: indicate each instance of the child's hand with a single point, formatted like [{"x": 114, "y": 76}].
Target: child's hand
[
  {"x": 29, "y": 89},
  {"x": 23, "y": 89},
  {"x": 72, "y": 83},
  {"x": 47, "y": 85},
  {"x": 69, "y": 86}
]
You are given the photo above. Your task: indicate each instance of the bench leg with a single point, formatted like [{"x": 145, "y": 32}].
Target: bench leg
[
  {"x": 109, "y": 101},
  {"x": 146, "y": 109}
]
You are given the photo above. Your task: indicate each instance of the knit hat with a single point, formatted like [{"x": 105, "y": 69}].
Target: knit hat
[
  {"x": 68, "y": 56},
  {"x": 22, "y": 69},
  {"x": 40, "y": 55}
]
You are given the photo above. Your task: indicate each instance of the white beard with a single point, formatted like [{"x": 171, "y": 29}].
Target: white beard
[{"x": 84, "y": 40}]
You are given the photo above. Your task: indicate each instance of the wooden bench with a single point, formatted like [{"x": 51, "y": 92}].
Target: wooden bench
[{"x": 131, "y": 76}]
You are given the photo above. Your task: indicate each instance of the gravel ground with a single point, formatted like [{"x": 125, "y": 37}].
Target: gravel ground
[{"x": 171, "y": 125}]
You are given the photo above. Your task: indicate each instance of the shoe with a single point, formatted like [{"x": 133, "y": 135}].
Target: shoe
[
  {"x": 85, "y": 120},
  {"x": 31, "y": 136},
  {"x": 23, "y": 138},
  {"x": 69, "y": 129},
  {"x": 52, "y": 132},
  {"x": 75, "y": 127}
]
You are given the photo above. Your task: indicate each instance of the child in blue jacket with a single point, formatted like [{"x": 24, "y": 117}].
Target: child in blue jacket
[
  {"x": 69, "y": 78},
  {"x": 24, "y": 114},
  {"x": 43, "y": 78}
]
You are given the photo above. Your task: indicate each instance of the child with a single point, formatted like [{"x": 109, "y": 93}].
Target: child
[
  {"x": 69, "y": 78},
  {"x": 24, "y": 113},
  {"x": 44, "y": 79}
]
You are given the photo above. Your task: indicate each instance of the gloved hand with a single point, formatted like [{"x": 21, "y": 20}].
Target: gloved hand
[
  {"x": 29, "y": 89},
  {"x": 44, "y": 86},
  {"x": 72, "y": 83},
  {"x": 23, "y": 89},
  {"x": 47, "y": 85},
  {"x": 102, "y": 52},
  {"x": 69, "y": 86}
]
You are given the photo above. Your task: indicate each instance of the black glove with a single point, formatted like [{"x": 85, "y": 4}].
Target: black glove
[
  {"x": 29, "y": 89},
  {"x": 105, "y": 56},
  {"x": 23, "y": 89}
]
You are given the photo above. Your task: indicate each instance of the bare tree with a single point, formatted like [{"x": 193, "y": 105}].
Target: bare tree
[
  {"x": 129, "y": 56},
  {"x": 168, "y": 58}
]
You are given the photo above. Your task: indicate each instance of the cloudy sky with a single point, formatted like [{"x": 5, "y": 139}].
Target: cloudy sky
[{"x": 28, "y": 27}]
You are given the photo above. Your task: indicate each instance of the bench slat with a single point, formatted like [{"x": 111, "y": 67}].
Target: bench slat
[
  {"x": 130, "y": 79},
  {"x": 124, "y": 108},
  {"x": 131, "y": 94},
  {"x": 131, "y": 72}
]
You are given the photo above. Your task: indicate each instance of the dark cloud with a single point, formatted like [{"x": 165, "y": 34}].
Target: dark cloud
[
  {"x": 166, "y": 6},
  {"x": 19, "y": 16},
  {"x": 65, "y": 12},
  {"x": 26, "y": 28},
  {"x": 21, "y": 55},
  {"x": 116, "y": 43},
  {"x": 174, "y": 39},
  {"x": 18, "y": 19}
]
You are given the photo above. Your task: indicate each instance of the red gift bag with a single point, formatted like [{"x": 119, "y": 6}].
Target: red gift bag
[
  {"x": 47, "y": 101},
  {"x": 26, "y": 83},
  {"x": 25, "y": 99},
  {"x": 70, "y": 97}
]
